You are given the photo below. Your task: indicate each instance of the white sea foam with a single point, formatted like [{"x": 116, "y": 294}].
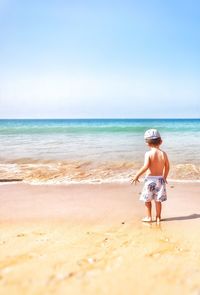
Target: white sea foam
[{"x": 91, "y": 182}]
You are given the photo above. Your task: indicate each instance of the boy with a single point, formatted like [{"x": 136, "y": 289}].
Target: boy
[{"x": 156, "y": 164}]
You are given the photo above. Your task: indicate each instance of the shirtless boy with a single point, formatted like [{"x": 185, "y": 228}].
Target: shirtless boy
[{"x": 156, "y": 164}]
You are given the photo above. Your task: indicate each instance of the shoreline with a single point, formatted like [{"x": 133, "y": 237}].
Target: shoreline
[{"x": 86, "y": 182}]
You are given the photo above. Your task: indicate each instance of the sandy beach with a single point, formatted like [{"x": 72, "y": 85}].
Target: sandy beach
[{"x": 88, "y": 239}]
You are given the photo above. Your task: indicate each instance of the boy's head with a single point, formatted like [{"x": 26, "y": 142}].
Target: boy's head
[{"x": 152, "y": 137}]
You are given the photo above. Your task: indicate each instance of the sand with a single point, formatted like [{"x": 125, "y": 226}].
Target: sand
[{"x": 88, "y": 239}]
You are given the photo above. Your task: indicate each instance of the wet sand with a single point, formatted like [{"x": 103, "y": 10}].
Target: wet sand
[{"x": 88, "y": 239}]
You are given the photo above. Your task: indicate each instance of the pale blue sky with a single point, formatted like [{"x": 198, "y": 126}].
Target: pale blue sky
[{"x": 74, "y": 59}]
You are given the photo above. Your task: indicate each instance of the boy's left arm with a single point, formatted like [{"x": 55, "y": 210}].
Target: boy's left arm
[
  {"x": 166, "y": 168},
  {"x": 142, "y": 170}
]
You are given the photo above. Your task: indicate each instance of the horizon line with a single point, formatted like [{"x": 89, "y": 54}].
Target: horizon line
[{"x": 101, "y": 118}]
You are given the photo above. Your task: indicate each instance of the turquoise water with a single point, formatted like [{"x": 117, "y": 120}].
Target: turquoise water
[
  {"x": 81, "y": 126},
  {"x": 57, "y": 139},
  {"x": 100, "y": 142}
]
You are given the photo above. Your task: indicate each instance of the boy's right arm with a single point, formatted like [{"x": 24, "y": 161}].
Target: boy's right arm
[{"x": 144, "y": 168}]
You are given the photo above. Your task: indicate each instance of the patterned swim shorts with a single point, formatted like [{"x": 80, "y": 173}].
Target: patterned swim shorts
[{"x": 154, "y": 189}]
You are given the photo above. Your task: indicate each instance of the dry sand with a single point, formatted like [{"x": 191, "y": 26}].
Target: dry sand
[{"x": 88, "y": 239}]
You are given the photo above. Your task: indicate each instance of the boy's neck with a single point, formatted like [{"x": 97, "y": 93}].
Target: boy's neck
[{"x": 157, "y": 147}]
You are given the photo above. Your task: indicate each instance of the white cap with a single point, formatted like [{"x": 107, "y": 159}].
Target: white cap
[{"x": 152, "y": 134}]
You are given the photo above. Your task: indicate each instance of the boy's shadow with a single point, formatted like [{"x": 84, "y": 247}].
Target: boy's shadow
[{"x": 192, "y": 216}]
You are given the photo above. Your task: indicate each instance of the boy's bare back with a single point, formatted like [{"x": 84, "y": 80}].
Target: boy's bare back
[{"x": 157, "y": 161}]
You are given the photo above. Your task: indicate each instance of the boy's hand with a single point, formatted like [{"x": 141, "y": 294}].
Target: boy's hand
[{"x": 135, "y": 180}]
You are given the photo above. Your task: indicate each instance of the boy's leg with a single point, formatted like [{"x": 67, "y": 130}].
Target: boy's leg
[
  {"x": 148, "y": 207},
  {"x": 158, "y": 211}
]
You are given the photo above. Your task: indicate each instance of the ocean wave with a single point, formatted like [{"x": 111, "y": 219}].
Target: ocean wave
[{"x": 58, "y": 172}]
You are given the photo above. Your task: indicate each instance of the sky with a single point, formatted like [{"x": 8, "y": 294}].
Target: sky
[{"x": 99, "y": 59}]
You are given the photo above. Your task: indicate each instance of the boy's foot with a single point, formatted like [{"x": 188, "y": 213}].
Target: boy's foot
[
  {"x": 158, "y": 219},
  {"x": 147, "y": 219}
]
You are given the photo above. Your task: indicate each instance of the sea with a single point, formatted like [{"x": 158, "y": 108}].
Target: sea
[{"x": 55, "y": 151}]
